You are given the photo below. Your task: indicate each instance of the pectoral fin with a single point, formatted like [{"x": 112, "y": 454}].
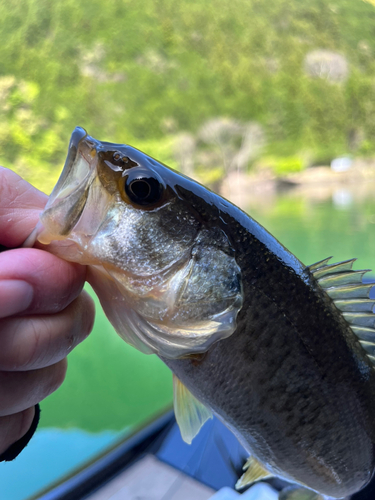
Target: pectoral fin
[
  {"x": 190, "y": 413},
  {"x": 299, "y": 493},
  {"x": 254, "y": 472}
]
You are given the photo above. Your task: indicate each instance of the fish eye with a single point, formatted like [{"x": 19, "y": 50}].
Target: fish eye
[{"x": 143, "y": 188}]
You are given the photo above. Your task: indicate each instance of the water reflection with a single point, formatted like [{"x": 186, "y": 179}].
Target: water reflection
[
  {"x": 313, "y": 220},
  {"x": 51, "y": 454},
  {"x": 342, "y": 198}
]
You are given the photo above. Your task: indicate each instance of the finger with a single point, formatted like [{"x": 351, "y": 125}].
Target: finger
[
  {"x": 29, "y": 343},
  {"x": 21, "y": 390},
  {"x": 20, "y": 205},
  {"x": 15, "y": 296},
  {"x": 14, "y": 427},
  {"x": 55, "y": 283}
]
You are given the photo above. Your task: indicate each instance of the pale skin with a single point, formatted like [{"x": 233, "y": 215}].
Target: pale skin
[{"x": 44, "y": 313}]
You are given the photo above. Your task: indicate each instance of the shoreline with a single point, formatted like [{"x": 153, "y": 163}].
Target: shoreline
[{"x": 316, "y": 183}]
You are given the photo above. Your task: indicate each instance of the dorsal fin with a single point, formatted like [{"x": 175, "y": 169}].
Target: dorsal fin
[
  {"x": 341, "y": 278},
  {"x": 350, "y": 292},
  {"x": 355, "y": 305},
  {"x": 360, "y": 318},
  {"x": 254, "y": 471},
  {"x": 369, "y": 347},
  {"x": 364, "y": 333},
  {"x": 337, "y": 267},
  {"x": 318, "y": 265},
  {"x": 351, "y": 297},
  {"x": 190, "y": 413}
]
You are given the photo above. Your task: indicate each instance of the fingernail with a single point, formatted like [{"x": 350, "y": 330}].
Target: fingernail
[{"x": 15, "y": 297}]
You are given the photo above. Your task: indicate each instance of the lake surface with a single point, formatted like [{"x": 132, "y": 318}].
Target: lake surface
[{"x": 110, "y": 387}]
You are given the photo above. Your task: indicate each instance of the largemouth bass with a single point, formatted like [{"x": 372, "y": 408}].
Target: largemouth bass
[{"x": 282, "y": 353}]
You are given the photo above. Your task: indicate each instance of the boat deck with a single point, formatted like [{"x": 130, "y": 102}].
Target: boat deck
[{"x": 151, "y": 479}]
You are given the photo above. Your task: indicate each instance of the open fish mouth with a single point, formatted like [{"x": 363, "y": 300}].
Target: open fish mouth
[{"x": 68, "y": 198}]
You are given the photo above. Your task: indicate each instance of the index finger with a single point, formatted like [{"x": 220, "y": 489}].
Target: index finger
[{"x": 20, "y": 206}]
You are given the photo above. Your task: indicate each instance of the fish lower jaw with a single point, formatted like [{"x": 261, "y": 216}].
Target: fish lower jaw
[
  {"x": 45, "y": 238},
  {"x": 69, "y": 250},
  {"x": 73, "y": 248}
]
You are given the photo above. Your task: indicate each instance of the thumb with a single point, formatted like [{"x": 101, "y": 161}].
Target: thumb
[{"x": 20, "y": 205}]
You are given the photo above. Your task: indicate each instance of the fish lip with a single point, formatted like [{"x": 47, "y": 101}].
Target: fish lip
[
  {"x": 78, "y": 134},
  {"x": 69, "y": 197}
]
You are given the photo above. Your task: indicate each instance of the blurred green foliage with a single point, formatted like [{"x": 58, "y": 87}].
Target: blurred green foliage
[
  {"x": 283, "y": 165},
  {"x": 141, "y": 72}
]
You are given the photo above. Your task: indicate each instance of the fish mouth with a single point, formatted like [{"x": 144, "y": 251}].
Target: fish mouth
[{"x": 69, "y": 197}]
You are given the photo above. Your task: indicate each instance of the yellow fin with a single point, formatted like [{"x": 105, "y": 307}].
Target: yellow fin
[
  {"x": 190, "y": 413},
  {"x": 299, "y": 493},
  {"x": 254, "y": 472}
]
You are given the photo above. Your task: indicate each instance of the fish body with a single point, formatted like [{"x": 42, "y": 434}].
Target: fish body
[
  {"x": 293, "y": 381},
  {"x": 242, "y": 323}
]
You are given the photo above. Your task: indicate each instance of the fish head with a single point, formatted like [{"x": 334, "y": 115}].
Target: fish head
[{"x": 166, "y": 275}]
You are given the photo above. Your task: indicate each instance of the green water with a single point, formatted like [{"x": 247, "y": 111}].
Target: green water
[
  {"x": 340, "y": 223},
  {"x": 110, "y": 387}
]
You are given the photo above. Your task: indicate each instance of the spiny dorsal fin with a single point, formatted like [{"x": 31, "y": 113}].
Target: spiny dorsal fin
[
  {"x": 364, "y": 333},
  {"x": 190, "y": 413},
  {"x": 337, "y": 267},
  {"x": 355, "y": 305},
  {"x": 318, "y": 265},
  {"x": 360, "y": 318},
  {"x": 350, "y": 296},
  {"x": 350, "y": 292},
  {"x": 341, "y": 278},
  {"x": 254, "y": 471},
  {"x": 369, "y": 347}
]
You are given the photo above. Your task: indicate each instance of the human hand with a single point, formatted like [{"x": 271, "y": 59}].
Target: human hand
[{"x": 43, "y": 312}]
